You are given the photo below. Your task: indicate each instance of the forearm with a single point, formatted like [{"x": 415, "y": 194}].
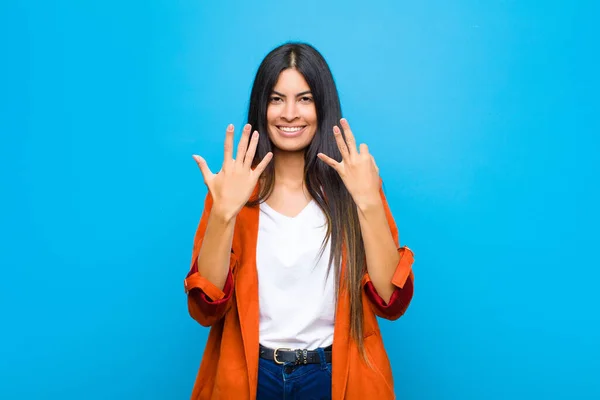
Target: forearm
[
  {"x": 380, "y": 248},
  {"x": 214, "y": 256}
]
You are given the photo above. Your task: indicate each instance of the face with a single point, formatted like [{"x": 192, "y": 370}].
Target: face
[{"x": 291, "y": 113}]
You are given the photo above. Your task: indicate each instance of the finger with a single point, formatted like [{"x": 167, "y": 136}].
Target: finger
[
  {"x": 228, "y": 153},
  {"x": 206, "y": 172},
  {"x": 349, "y": 136},
  {"x": 243, "y": 144},
  {"x": 329, "y": 161},
  {"x": 263, "y": 164},
  {"x": 375, "y": 164},
  {"x": 341, "y": 144},
  {"x": 363, "y": 148},
  {"x": 251, "y": 150}
]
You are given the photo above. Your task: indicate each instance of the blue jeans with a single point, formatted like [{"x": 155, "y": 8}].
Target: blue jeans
[{"x": 294, "y": 382}]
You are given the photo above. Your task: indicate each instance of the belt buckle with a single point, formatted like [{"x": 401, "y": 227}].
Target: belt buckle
[{"x": 275, "y": 354}]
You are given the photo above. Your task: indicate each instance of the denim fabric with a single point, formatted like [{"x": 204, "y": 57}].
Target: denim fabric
[{"x": 294, "y": 382}]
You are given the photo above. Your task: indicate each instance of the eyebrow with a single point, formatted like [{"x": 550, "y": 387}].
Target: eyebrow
[{"x": 298, "y": 95}]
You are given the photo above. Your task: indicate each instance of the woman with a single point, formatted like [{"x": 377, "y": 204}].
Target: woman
[{"x": 296, "y": 252}]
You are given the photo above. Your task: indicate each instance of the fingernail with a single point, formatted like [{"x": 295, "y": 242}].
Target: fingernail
[{"x": 230, "y": 127}]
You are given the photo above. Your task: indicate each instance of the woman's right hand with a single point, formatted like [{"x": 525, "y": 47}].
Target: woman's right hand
[{"x": 233, "y": 185}]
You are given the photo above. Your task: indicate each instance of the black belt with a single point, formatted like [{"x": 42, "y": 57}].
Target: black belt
[{"x": 297, "y": 357}]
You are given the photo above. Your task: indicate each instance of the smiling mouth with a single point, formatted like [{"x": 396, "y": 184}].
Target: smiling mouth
[{"x": 291, "y": 129}]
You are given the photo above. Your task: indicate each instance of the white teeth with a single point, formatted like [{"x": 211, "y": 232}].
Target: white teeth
[{"x": 291, "y": 129}]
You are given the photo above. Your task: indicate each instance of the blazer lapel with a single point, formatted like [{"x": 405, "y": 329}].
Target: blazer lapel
[
  {"x": 341, "y": 339},
  {"x": 246, "y": 290}
]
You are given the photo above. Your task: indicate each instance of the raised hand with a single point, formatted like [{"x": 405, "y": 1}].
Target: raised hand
[
  {"x": 358, "y": 169},
  {"x": 233, "y": 185}
]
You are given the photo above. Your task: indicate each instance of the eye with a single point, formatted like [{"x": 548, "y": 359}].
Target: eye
[
  {"x": 275, "y": 99},
  {"x": 306, "y": 99}
]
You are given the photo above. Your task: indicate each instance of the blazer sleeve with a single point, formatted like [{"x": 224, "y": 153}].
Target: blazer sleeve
[
  {"x": 403, "y": 278},
  {"x": 206, "y": 302}
]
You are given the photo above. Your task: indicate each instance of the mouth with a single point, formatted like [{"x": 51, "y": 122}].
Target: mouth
[{"x": 291, "y": 131}]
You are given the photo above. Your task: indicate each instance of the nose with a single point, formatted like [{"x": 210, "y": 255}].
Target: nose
[{"x": 289, "y": 111}]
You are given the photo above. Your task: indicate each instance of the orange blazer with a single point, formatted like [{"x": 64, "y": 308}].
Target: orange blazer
[{"x": 229, "y": 367}]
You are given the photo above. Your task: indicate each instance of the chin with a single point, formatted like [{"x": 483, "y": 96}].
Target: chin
[
  {"x": 290, "y": 147},
  {"x": 291, "y": 144}
]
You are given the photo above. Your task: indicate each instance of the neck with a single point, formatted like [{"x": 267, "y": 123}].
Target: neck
[{"x": 289, "y": 168}]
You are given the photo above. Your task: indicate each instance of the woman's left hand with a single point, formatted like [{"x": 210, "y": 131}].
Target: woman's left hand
[{"x": 358, "y": 169}]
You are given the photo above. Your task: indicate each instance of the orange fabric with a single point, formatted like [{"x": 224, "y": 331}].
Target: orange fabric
[
  {"x": 229, "y": 367},
  {"x": 195, "y": 281},
  {"x": 404, "y": 269}
]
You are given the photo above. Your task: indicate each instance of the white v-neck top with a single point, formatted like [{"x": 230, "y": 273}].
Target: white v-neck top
[{"x": 295, "y": 286}]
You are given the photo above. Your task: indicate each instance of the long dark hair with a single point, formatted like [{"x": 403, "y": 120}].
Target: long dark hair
[{"x": 323, "y": 182}]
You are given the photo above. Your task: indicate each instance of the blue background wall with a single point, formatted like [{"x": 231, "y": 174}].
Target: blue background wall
[{"x": 478, "y": 113}]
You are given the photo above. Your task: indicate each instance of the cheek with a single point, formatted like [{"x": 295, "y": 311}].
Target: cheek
[
  {"x": 270, "y": 114},
  {"x": 310, "y": 115}
]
